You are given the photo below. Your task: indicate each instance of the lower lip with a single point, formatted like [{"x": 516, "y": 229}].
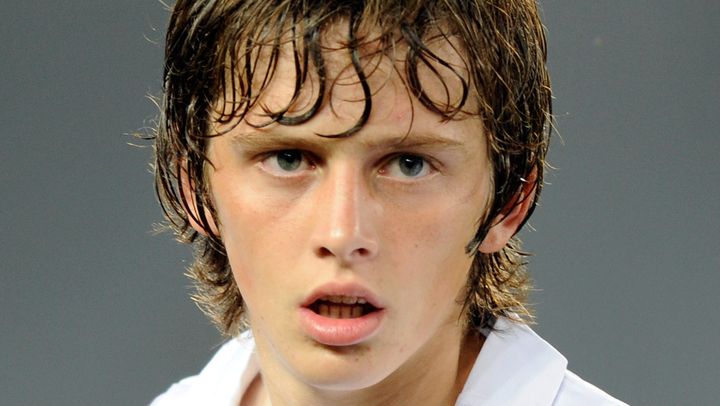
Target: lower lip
[{"x": 340, "y": 332}]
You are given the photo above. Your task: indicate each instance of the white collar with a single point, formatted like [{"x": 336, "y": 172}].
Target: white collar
[
  {"x": 515, "y": 367},
  {"x": 224, "y": 379}
]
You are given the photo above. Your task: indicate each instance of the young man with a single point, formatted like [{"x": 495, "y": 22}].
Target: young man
[{"x": 352, "y": 174}]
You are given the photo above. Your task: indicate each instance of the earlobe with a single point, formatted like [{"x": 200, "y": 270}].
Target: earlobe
[
  {"x": 506, "y": 224},
  {"x": 190, "y": 204}
]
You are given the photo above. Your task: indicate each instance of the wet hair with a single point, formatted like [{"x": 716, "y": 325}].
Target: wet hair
[{"x": 220, "y": 56}]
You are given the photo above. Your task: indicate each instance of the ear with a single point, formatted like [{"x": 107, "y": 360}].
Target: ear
[
  {"x": 506, "y": 224},
  {"x": 190, "y": 204}
]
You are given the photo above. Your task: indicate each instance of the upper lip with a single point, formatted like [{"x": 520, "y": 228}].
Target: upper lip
[{"x": 342, "y": 289}]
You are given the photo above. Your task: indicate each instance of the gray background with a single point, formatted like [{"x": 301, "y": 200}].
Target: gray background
[{"x": 94, "y": 308}]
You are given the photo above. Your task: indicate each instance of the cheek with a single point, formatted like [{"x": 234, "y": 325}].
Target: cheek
[
  {"x": 429, "y": 275},
  {"x": 248, "y": 218},
  {"x": 262, "y": 233},
  {"x": 429, "y": 244},
  {"x": 243, "y": 228},
  {"x": 439, "y": 225}
]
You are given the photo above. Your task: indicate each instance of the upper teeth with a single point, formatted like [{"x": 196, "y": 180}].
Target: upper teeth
[{"x": 345, "y": 299}]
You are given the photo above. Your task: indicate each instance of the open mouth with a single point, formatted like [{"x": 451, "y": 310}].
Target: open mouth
[
  {"x": 341, "y": 315},
  {"x": 342, "y": 307}
]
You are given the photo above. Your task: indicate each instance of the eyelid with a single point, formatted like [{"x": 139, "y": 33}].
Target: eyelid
[
  {"x": 428, "y": 161},
  {"x": 307, "y": 157}
]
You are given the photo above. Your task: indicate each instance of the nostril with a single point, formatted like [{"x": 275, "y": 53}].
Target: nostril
[{"x": 324, "y": 252}]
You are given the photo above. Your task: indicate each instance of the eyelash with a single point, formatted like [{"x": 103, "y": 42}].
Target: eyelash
[
  {"x": 309, "y": 161},
  {"x": 282, "y": 173},
  {"x": 427, "y": 165}
]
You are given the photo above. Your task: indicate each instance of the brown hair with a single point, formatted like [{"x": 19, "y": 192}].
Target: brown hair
[{"x": 212, "y": 57}]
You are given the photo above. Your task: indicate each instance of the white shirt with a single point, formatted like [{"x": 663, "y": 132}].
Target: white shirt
[{"x": 515, "y": 367}]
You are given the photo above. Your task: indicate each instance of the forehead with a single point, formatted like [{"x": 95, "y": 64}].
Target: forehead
[{"x": 292, "y": 80}]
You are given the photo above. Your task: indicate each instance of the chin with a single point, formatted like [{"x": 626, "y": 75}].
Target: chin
[{"x": 343, "y": 369}]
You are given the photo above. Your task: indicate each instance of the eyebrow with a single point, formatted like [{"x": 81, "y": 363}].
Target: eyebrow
[{"x": 255, "y": 140}]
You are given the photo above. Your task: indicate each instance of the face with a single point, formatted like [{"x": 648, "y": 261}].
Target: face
[{"x": 350, "y": 253}]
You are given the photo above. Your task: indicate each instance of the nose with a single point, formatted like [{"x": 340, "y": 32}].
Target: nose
[{"x": 345, "y": 218}]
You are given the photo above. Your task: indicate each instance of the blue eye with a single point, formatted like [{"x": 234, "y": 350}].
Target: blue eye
[
  {"x": 411, "y": 165},
  {"x": 286, "y": 163},
  {"x": 289, "y": 160},
  {"x": 408, "y": 166}
]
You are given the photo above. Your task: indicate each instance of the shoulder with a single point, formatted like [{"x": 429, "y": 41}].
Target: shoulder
[
  {"x": 220, "y": 382},
  {"x": 575, "y": 391}
]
